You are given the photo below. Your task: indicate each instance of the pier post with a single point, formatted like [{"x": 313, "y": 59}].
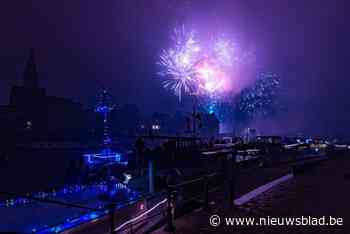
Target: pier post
[{"x": 233, "y": 177}]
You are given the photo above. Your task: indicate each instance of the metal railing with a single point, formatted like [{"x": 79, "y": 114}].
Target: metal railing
[{"x": 165, "y": 208}]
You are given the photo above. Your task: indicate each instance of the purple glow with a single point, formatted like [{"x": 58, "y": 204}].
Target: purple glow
[{"x": 193, "y": 65}]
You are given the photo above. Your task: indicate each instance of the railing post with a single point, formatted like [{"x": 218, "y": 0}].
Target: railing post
[
  {"x": 230, "y": 174},
  {"x": 131, "y": 231},
  {"x": 225, "y": 177},
  {"x": 223, "y": 162},
  {"x": 170, "y": 227},
  {"x": 293, "y": 171},
  {"x": 206, "y": 193},
  {"x": 111, "y": 218},
  {"x": 233, "y": 177}
]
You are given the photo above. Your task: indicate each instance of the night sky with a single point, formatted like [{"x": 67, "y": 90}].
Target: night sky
[{"x": 82, "y": 45}]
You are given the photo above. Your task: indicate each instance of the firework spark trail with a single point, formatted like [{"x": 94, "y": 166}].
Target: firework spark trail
[
  {"x": 224, "y": 50},
  {"x": 260, "y": 98},
  {"x": 177, "y": 63}
]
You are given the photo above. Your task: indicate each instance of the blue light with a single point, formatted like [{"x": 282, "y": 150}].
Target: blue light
[
  {"x": 104, "y": 107},
  {"x": 70, "y": 223},
  {"x": 211, "y": 108},
  {"x": 93, "y": 216},
  {"x": 107, "y": 155}
]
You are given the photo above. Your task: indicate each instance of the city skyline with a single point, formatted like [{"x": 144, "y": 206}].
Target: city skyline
[{"x": 88, "y": 45}]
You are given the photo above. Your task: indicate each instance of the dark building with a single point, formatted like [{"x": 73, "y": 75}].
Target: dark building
[
  {"x": 210, "y": 125},
  {"x": 180, "y": 124},
  {"x": 33, "y": 115}
]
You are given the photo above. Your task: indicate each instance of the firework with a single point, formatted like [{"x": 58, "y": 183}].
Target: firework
[
  {"x": 196, "y": 66},
  {"x": 177, "y": 63},
  {"x": 179, "y": 72},
  {"x": 209, "y": 77},
  {"x": 224, "y": 50},
  {"x": 260, "y": 99}
]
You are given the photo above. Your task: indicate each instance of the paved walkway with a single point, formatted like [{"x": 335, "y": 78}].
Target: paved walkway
[{"x": 322, "y": 191}]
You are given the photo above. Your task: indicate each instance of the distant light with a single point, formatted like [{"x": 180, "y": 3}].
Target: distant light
[
  {"x": 29, "y": 124},
  {"x": 93, "y": 216},
  {"x": 105, "y": 155},
  {"x": 155, "y": 127},
  {"x": 211, "y": 109},
  {"x": 142, "y": 206},
  {"x": 127, "y": 177}
]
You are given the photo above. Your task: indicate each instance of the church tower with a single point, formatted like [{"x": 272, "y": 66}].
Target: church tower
[
  {"x": 29, "y": 93},
  {"x": 30, "y": 75}
]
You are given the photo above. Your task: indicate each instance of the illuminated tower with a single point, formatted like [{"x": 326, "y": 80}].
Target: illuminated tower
[{"x": 105, "y": 106}]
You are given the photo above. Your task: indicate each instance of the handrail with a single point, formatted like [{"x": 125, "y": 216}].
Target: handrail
[
  {"x": 142, "y": 221},
  {"x": 185, "y": 183},
  {"x": 141, "y": 215},
  {"x": 131, "y": 221},
  {"x": 193, "y": 180}
]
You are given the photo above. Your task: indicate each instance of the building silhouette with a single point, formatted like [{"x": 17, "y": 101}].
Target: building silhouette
[{"x": 32, "y": 115}]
